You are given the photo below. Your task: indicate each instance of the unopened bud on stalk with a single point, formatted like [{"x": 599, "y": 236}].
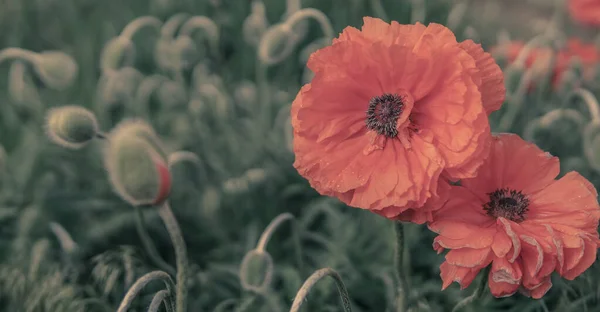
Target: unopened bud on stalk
[
  {"x": 137, "y": 164},
  {"x": 71, "y": 126},
  {"x": 56, "y": 69},
  {"x": 117, "y": 53}
]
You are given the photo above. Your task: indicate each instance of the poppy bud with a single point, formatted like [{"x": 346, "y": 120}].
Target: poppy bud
[
  {"x": 137, "y": 164},
  {"x": 256, "y": 271},
  {"x": 56, "y": 69},
  {"x": 117, "y": 53},
  {"x": 71, "y": 126}
]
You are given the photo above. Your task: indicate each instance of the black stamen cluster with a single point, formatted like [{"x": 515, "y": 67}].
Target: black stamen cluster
[
  {"x": 383, "y": 114},
  {"x": 507, "y": 203}
]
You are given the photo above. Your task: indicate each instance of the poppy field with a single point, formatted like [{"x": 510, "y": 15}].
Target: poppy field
[{"x": 299, "y": 155}]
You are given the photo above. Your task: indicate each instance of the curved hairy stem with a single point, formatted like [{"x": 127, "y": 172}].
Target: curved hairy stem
[
  {"x": 158, "y": 299},
  {"x": 140, "y": 284},
  {"x": 18, "y": 53},
  {"x": 140, "y": 226},
  {"x": 313, "y": 280},
  {"x": 139, "y": 23},
  {"x": 180, "y": 254},
  {"x": 590, "y": 100},
  {"x": 268, "y": 232}
]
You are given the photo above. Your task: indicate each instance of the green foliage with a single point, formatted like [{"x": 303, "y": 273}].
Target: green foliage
[{"x": 199, "y": 81}]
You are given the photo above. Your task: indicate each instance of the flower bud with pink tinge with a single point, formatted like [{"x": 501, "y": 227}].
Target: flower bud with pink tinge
[{"x": 137, "y": 164}]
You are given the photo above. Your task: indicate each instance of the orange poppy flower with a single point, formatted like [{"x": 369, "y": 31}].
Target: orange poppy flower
[
  {"x": 585, "y": 11},
  {"x": 517, "y": 218},
  {"x": 587, "y": 53},
  {"x": 389, "y": 110}
]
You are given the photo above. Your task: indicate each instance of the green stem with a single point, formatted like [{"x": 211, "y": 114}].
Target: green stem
[
  {"x": 140, "y": 226},
  {"x": 180, "y": 254},
  {"x": 268, "y": 232},
  {"x": 158, "y": 299},
  {"x": 403, "y": 288},
  {"x": 140, "y": 284},
  {"x": 18, "y": 53},
  {"x": 139, "y": 23},
  {"x": 477, "y": 294},
  {"x": 313, "y": 280}
]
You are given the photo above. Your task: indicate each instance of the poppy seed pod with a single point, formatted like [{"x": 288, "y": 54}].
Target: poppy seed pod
[
  {"x": 71, "y": 126},
  {"x": 56, "y": 69},
  {"x": 137, "y": 164}
]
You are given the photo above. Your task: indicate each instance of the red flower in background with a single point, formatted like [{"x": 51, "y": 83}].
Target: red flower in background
[
  {"x": 389, "y": 110},
  {"x": 517, "y": 218},
  {"x": 587, "y": 53},
  {"x": 585, "y": 11}
]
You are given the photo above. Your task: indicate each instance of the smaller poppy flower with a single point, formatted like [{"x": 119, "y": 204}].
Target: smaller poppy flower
[
  {"x": 517, "y": 218},
  {"x": 137, "y": 164},
  {"x": 586, "y": 12}
]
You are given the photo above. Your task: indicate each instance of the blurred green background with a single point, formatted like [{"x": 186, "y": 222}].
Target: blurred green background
[{"x": 68, "y": 243}]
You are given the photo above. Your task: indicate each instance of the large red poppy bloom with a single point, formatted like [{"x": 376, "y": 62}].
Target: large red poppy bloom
[
  {"x": 389, "y": 110},
  {"x": 517, "y": 218},
  {"x": 585, "y": 11}
]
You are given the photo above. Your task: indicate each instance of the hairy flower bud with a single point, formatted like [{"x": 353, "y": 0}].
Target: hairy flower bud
[
  {"x": 137, "y": 164},
  {"x": 56, "y": 69},
  {"x": 71, "y": 126}
]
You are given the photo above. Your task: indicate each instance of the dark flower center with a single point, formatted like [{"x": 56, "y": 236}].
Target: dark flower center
[
  {"x": 383, "y": 114},
  {"x": 506, "y": 203}
]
